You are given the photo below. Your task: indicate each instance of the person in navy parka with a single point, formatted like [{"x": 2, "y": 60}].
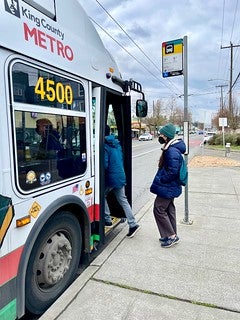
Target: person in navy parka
[
  {"x": 115, "y": 180},
  {"x": 166, "y": 185}
]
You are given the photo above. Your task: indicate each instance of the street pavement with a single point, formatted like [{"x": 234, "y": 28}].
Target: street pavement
[{"x": 196, "y": 279}]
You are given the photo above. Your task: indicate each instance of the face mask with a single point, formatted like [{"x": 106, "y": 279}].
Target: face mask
[{"x": 161, "y": 140}]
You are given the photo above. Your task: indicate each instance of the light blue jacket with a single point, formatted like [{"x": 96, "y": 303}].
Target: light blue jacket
[{"x": 114, "y": 171}]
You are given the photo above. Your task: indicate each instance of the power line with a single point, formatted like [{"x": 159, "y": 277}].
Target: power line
[
  {"x": 230, "y": 55},
  {"x": 235, "y": 81},
  {"x": 222, "y": 21},
  {"x": 234, "y": 19},
  {"x": 125, "y": 49},
  {"x": 141, "y": 50},
  {"x": 231, "y": 71},
  {"x": 129, "y": 37}
]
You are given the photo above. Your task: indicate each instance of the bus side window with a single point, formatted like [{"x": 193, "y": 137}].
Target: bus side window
[
  {"x": 49, "y": 149},
  {"x": 72, "y": 159}
]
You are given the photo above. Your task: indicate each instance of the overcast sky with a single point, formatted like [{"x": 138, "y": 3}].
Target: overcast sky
[{"x": 208, "y": 25}]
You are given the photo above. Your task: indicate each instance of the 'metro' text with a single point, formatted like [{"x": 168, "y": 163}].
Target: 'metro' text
[{"x": 45, "y": 41}]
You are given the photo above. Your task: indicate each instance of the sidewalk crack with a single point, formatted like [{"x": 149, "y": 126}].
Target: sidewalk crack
[{"x": 166, "y": 296}]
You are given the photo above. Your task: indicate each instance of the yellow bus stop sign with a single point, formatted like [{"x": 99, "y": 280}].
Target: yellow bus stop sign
[{"x": 172, "y": 58}]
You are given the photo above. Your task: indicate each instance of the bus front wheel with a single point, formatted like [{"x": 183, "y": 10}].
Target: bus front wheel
[{"x": 54, "y": 261}]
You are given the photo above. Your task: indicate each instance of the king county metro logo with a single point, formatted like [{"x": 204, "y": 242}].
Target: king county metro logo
[{"x": 12, "y": 6}]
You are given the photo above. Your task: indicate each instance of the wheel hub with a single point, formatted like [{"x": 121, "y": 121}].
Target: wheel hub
[{"x": 54, "y": 260}]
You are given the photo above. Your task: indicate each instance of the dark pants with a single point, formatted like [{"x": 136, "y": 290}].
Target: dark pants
[{"x": 165, "y": 215}]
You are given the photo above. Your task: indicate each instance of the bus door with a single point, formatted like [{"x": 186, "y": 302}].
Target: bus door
[{"x": 118, "y": 117}]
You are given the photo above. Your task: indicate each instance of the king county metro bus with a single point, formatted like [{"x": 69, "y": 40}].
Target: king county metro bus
[{"x": 59, "y": 87}]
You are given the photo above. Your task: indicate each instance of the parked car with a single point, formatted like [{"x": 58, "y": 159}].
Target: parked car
[{"x": 145, "y": 137}]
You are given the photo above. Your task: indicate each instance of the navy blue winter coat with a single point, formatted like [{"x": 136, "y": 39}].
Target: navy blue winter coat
[
  {"x": 166, "y": 183},
  {"x": 114, "y": 171}
]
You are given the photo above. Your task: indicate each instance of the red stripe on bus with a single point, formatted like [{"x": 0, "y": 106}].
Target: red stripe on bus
[
  {"x": 94, "y": 213},
  {"x": 91, "y": 213},
  {"x": 9, "y": 265},
  {"x": 97, "y": 212}
]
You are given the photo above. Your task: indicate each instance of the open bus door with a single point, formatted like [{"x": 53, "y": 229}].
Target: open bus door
[{"x": 118, "y": 115}]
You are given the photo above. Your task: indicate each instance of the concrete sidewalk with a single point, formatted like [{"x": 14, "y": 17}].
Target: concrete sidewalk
[{"x": 199, "y": 278}]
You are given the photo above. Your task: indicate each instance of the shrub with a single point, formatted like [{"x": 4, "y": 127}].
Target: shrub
[
  {"x": 215, "y": 140},
  {"x": 233, "y": 138},
  {"x": 238, "y": 140}
]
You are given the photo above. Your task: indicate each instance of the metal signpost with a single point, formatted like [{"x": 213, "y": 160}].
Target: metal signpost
[
  {"x": 174, "y": 63},
  {"x": 223, "y": 123}
]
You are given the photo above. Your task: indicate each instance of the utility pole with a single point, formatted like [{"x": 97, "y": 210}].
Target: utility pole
[
  {"x": 231, "y": 72},
  {"x": 221, "y": 98}
]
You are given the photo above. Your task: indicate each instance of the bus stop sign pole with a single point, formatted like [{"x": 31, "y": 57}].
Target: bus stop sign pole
[
  {"x": 174, "y": 63},
  {"x": 186, "y": 219}
]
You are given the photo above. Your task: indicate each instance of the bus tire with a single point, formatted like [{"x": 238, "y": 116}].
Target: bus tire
[{"x": 53, "y": 262}]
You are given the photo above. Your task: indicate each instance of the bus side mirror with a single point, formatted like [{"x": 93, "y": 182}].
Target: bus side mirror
[{"x": 141, "y": 108}]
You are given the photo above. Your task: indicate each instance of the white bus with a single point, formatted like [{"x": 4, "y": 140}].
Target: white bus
[{"x": 59, "y": 87}]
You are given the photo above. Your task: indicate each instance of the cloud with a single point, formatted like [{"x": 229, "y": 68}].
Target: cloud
[{"x": 207, "y": 25}]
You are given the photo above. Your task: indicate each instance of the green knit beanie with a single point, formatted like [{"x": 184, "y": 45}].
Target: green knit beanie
[{"x": 168, "y": 130}]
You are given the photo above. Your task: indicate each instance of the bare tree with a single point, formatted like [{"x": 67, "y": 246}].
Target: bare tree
[
  {"x": 157, "y": 119},
  {"x": 232, "y": 117},
  {"x": 161, "y": 114},
  {"x": 177, "y": 116}
]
